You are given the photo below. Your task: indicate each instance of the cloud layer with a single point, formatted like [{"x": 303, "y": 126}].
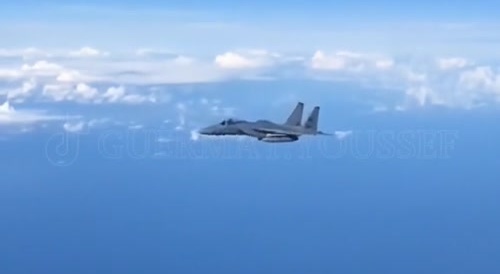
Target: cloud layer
[
  {"x": 10, "y": 116},
  {"x": 90, "y": 75}
]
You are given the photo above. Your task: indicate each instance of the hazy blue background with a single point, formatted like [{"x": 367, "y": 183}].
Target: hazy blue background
[
  {"x": 102, "y": 170},
  {"x": 386, "y": 204}
]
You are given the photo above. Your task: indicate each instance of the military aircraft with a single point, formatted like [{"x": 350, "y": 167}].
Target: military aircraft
[{"x": 267, "y": 131}]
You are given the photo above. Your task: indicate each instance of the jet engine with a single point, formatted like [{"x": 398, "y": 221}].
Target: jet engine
[{"x": 277, "y": 138}]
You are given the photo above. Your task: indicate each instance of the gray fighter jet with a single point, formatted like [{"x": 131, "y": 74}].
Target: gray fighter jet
[{"x": 267, "y": 131}]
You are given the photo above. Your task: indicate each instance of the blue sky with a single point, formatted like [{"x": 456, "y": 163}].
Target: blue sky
[
  {"x": 388, "y": 26},
  {"x": 103, "y": 170}
]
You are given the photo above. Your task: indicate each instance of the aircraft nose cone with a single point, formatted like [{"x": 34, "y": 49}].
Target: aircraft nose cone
[{"x": 205, "y": 131}]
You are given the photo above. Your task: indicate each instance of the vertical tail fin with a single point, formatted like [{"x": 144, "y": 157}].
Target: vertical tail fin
[
  {"x": 312, "y": 121},
  {"x": 295, "y": 119}
]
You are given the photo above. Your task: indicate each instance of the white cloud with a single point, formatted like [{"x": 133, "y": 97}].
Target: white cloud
[
  {"x": 42, "y": 68},
  {"x": 84, "y": 93},
  {"x": 6, "y": 108},
  {"x": 67, "y": 92},
  {"x": 88, "y": 52},
  {"x": 123, "y": 69},
  {"x": 148, "y": 52},
  {"x": 27, "y": 53},
  {"x": 22, "y": 92},
  {"x": 69, "y": 76},
  {"x": 181, "y": 116},
  {"x": 59, "y": 76},
  {"x": 9, "y": 74},
  {"x": 114, "y": 94},
  {"x": 341, "y": 135},
  {"x": 420, "y": 94},
  {"x": 413, "y": 77},
  {"x": 183, "y": 60},
  {"x": 82, "y": 125},
  {"x": 10, "y": 116},
  {"x": 43, "y": 71},
  {"x": 56, "y": 92},
  {"x": 74, "y": 127},
  {"x": 349, "y": 61},
  {"x": 135, "y": 69},
  {"x": 481, "y": 78},
  {"x": 156, "y": 71},
  {"x": 195, "y": 136},
  {"x": 251, "y": 59},
  {"x": 451, "y": 63},
  {"x": 451, "y": 82},
  {"x": 135, "y": 126},
  {"x": 182, "y": 122},
  {"x": 119, "y": 95}
]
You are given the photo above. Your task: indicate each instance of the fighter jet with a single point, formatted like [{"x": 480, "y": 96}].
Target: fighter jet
[{"x": 267, "y": 131}]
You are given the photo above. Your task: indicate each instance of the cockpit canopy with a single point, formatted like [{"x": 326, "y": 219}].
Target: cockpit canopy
[{"x": 229, "y": 122}]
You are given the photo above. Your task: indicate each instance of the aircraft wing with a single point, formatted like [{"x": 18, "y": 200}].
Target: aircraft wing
[{"x": 251, "y": 132}]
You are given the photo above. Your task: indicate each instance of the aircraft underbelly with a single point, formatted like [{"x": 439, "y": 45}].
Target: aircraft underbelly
[{"x": 276, "y": 131}]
